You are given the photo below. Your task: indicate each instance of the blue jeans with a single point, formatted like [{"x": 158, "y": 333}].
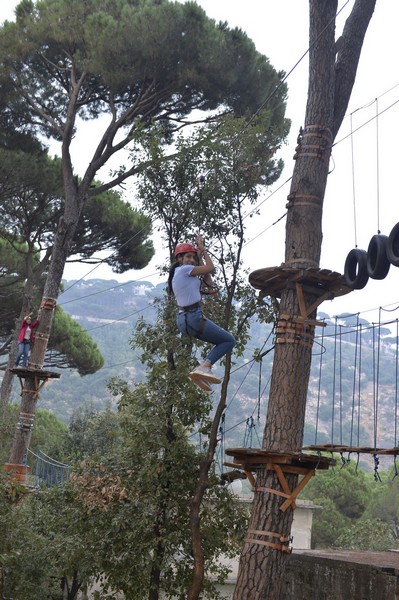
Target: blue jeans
[
  {"x": 191, "y": 323},
  {"x": 23, "y": 350}
]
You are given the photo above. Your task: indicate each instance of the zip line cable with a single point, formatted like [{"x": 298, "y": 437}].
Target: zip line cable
[
  {"x": 242, "y": 131},
  {"x": 114, "y": 287},
  {"x": 256, "y": 207},
  {"x": 253, "y": 116},
  {"x": 121, "y": 318},
  {"x": 270, "y": 96},
  {"x": 333, "y": 145},
  {"x": 264, "y": 230},
  {"x": 378, "y": 166},
  {"x": 234, "y": 140},
  {"x": 103, "y": 260},
  {"x": 365, "y": 123},
  {"x": 353, "y": 183}
]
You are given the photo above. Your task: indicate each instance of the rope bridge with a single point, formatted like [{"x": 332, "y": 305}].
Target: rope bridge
[{"x": 47, "y": 472}]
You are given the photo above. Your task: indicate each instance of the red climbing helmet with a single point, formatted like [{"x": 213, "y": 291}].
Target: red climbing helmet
[{"x": 182, "y": 248}]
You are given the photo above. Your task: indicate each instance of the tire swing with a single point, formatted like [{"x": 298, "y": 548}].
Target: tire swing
[
  {"x": 355, "y": 272},
  {"x": 377, "y": 260},
  {"x": 393, "y": 246}
]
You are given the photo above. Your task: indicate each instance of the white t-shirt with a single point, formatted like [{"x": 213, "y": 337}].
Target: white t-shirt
[
  {"x": 186, "y": 288},
  {"x": 27, "y": 334}
]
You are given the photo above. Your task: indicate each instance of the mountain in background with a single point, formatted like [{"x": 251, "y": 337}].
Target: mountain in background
[{"x": 355, "y": 367}]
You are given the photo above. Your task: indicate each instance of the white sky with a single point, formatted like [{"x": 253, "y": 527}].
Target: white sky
[{"x": 279, "y": 30}]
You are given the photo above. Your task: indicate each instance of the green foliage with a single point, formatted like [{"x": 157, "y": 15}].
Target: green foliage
[
  {"x": 93, "y": 435},
  {"x": 126, "y": 510},
  {"x": 384, "y": 504},
  {"x": 11, "y": 263},
  {"x": 156, "y": 417},
  {"x": 367, "y": 535},
  {"x": 12, "y": 282},
  {"x": 110, "y": 223},
  {"x": 73, "y": 344},
  {"x": 344, "y": 495},
  {"x": 356, "y": 512},
  {"x": 328, "y": 523},
  {"x": 32, "y": 194},
  {"x": 186, "y": 56},
  {"x": 237, "y": 157},
  {"x": 43, "y": 545},
  {"x": 49, "y": 434}
]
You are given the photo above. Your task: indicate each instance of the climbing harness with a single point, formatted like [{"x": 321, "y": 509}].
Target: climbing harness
[{"x": 192, "y": 308}]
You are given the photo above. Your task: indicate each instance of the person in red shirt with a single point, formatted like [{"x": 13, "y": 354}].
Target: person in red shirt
[{"x": 26, "y": 339}]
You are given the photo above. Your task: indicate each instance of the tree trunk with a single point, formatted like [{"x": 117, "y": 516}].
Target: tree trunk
[
  {"x": 331, "y": 80},
  {"x": 8, "y": 378},
  {"x": 63, "y": 238}
]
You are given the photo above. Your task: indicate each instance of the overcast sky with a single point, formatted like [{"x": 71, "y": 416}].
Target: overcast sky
[{"x": 279, "y": 30}]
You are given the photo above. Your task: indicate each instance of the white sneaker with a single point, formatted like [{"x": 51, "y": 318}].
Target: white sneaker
[
  {"x": 205, "y": 387},
  {"x": 204, "y": 373}
]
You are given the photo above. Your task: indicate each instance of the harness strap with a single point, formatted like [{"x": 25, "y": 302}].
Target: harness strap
[
  {"x": 184, "y": 309},
  {"x": 192, "y": 307}
]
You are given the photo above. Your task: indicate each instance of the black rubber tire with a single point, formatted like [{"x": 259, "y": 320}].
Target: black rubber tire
[
  {"x": 377, "y": 261},
  {"x": 355, "y": 271},
  {"x": 393, "y": 246}
]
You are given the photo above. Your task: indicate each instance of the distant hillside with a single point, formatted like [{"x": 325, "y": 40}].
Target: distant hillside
[{"x": 363, "y": 406}]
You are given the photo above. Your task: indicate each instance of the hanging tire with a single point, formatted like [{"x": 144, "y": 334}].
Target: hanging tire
[
  {"x": 355, "y": 272},
  {"x": 377, "y": 260},
  {"x": 393, "y": 246}
]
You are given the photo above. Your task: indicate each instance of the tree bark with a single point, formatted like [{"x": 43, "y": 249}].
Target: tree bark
[
  {"x": 331, "y": 80},
  {"x": 63, "y": 238}
]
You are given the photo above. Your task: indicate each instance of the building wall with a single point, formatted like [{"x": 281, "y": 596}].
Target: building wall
[{"x": 332, "y": 575}]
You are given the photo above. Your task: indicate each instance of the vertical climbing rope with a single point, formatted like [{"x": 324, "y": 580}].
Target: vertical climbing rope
[
  {"x": 222, "y": 434},
  {"x": 376, "y": 376},
  {"x": 359, "y": 385},
  {"x": 319, "y": 387},
  {"x": 333, "y": 385},
  {"x": 396, "y": 384},
  {"x": 340, "y": 387},
  {"x": 355, "y": 367}
]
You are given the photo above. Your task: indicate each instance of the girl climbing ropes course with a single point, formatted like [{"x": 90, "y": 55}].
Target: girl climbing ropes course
[
  {"x": 26, "y": 339},
  {"x": 192, "y": 263}
]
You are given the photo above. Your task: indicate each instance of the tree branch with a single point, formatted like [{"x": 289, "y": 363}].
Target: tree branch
[{"x": 348, "y": 56}]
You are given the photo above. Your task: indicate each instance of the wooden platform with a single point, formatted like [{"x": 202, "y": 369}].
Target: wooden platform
[
  {"x": 341, "y": 448},
  {"x": 34, "y": 373},
  {"x": 282, "y": 464},
  {"x": 39, "y": 377},
  {"x": 255, "y": 458},
  {"x": 321, "y": 282}
]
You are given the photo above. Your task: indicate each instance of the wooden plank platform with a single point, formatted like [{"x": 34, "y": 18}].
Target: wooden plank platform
[
  {"x": 273, "y": 280},
  {"x": 352, "y": 449},
  {"x": 32, "y": 373},
  {"x": 255, "y": 458}
]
